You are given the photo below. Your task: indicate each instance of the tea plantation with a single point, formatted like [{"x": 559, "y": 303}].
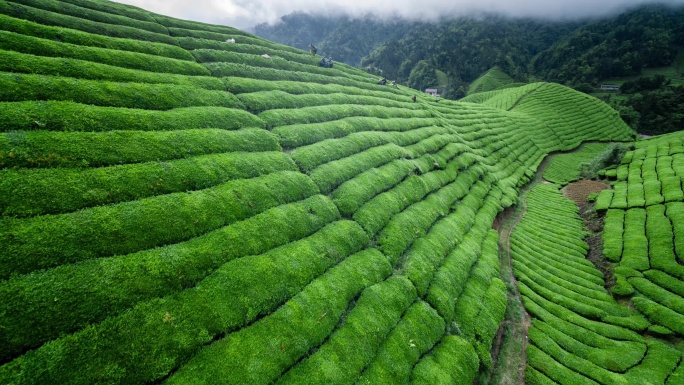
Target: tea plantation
[{"x": 188, "y": 203}]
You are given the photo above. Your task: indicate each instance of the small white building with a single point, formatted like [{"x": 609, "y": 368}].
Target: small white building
[
  {"x": 610, "y": 87},
  {"x": 432, "y": 91}
]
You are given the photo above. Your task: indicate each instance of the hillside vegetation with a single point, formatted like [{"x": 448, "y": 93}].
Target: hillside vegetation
[
  {"x": 179, "y": 208},
  {"x": 489, "y": 81}
]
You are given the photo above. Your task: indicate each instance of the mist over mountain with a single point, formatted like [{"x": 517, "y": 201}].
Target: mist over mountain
[
  {"x": 568, "y": 52},
  {"x": 244, "y": 14}
]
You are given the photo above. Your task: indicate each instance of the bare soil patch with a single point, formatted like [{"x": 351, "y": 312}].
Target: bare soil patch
[{"x": 578, "y": 192}]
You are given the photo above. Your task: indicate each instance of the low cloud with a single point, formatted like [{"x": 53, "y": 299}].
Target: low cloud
[{"x": 244, "y": 14}]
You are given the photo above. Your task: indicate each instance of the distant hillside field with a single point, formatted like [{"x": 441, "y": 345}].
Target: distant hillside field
[
  {"x": 489, "y": 81},
  {"x": 188, "y": 203}
]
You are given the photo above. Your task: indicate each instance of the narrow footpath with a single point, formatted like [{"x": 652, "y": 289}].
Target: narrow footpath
[{"x": 509, "y": 351}]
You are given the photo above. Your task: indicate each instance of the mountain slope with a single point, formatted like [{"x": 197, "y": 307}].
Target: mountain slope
[
  {"x": 182, "y": 201},
  {"x": 645, "y": 37}
]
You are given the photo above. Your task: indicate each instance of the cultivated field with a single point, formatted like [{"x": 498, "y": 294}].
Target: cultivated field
[{"x": 181, "y": 208}]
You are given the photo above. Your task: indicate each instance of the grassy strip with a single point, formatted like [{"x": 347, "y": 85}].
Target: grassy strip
[
  {"x": 353, "y": 193},
  {"x": 536, "y": 304},
  {"x": 660, "y": 362},
  {"x": 451, "y": 278},
  {"x": 672, "y": 188},
  {"x": 18, "y": 42},
  {"x": 332, "y": 174},
  {"x": 22, "y": 87},
  {"x": 72, "y": 36},
  {"x": 565, "y": 168},
  {"x": 246, "y": 71},
  {"x": 268, "y": 100},
  {"x": 665, "y": 262},
  {"x": 79, "y": 149},
  {"x": 304, "y": 134},
  {"x": 591, "y": 294},
  {"x": 572, "y": 361},
  {"x": 552, "y": 369},
  {"x": 197, "y": 34},
  {"x": 173, "y": 22},
  {"x": 30, "y": 244},
  {"x": 317, "y": 114},
  {"x": 577, "y": 303},
  {"x": 377, "y": 212},
  {"x": 114, "y": 8},
  {"x": 675, "y": 213},
  {"x": 428, "y": 252},
  {"x": 535, "y": 377},
  {"x": 677, "y": 376},
  {"x": 630, "y": 353},
  {"x": 652, "y": 188},
  {"x": 155, "y": 337},
  {"x": 613, "y": 360},
  {"x": 237, "y": 51},
  {"x": 635, "y": 248},
  {"x": 480, "y": 308},
  {"x": 666, "y": 281},
  {"x": 70, "y": 116},
  {"x": 422, "y": 327},
  {"x": 60, "y": 20},
  {"x": 289, "y": 62},
  {"x": 30, "y": 64},
  {"x": 72, "y": 296},
  {"x": 659, "y": 305},
  {"x": 27, "y": 192},
  {"x": 547, "y": 267},
  {"x": 66, "y": 8},
  {"x": 238, "y": 85},
  {"x": 612, "y": 235},
  {"x": 355, "y": 343},
  {"x": 659, "y": 233},
  {"x": 635, "y": 193},
  {"x": 311, "y": 156},
  {"x": 279, "y": 340},
  {"x": 453, "y": 361},
  {"x": 191, "y": 43}
]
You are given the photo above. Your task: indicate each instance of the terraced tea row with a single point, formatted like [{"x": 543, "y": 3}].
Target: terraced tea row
[
  {"x": 566, "y": 168},
  {"x": 176, "y": 207},
  {"x": 579, "y": 334},
  {"x": 646, "y": 239},
  {"x": 651, "y": 174}
]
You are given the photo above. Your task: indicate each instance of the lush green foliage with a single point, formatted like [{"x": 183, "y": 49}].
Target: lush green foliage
[
  {"x": 80, "y": 149},
  {"x": 69, "y": 116},
  {"x": 25, "y": 87},
  {"x": 66, "y": 8},
  {"x": 57, "y": 19},
  {"x": 76, "y": 68},
  {"x": 153, "y": 228},
  {"x": 490, "y": 80},
  {"x": 76, "y": 37},
  {"x": 566, "y": 168},
  {"x": 11, "y": 41},
  {"x": 563, "y": 300},
  {"x": 613, "y": 47}
]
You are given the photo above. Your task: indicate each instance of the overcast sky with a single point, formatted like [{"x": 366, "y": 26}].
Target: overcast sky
[{"x": 244, "y": 14}]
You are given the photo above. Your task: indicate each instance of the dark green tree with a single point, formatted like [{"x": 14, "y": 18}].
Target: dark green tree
[{"x": 422, "y": 76}]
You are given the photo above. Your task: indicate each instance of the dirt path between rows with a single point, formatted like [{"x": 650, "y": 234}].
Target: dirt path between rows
[{"x": 509, "y": 350}]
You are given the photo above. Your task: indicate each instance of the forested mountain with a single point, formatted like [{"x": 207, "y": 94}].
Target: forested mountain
[
  {"x": 463, "y": 48},
  {"x": 620, "y": 46},
  {"x": 346, "y": 39},
  {"x": 570, "y": 53}
]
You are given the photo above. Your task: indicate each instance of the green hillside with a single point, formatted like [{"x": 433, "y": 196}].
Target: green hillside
[
  {"x": 181, "y": 208},
  {"x": 490, "y": 80}
]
